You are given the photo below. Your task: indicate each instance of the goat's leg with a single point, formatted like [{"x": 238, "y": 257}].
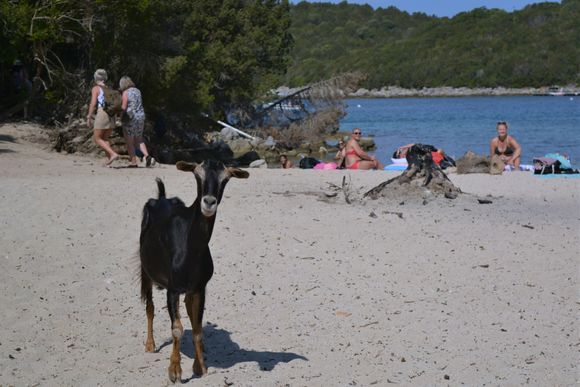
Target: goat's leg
[
  {"x": 174, "y": 370},
  {"x": 194, "y": 304},
  {"x": 147, "y": 296}
]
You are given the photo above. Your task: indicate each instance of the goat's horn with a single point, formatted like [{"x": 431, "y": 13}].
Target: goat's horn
[
  {"x": 185, "y": 166},
  {"x": 238, "y": 173}
]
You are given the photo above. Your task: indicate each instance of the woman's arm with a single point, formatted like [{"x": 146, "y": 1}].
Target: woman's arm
[
  {"x": 92, "y": 104},
  {"x": 517, "y": 148},
  {"x": 124, "y": 100},
  {"x": 361, "y": 153}
]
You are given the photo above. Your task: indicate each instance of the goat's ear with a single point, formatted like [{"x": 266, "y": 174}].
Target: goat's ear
[
  {"x": 185, "y": 166},
  {"x": 238, "y": 173}
]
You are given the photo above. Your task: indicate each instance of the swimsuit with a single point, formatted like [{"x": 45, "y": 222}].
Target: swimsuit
[
  {"x": 355, "y": 164},
  {"x": 507, "y": 152}
]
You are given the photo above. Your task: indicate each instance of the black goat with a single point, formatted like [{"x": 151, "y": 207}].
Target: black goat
[{"x": 175, "y": 254}]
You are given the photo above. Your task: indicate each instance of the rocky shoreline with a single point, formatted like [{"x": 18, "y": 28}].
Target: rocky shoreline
[
  {"x": 445, "y": 91},
  {"x": 399, "y": 92}
]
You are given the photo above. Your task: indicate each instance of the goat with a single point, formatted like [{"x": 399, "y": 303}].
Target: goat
[{"x": 175, "y": 255}]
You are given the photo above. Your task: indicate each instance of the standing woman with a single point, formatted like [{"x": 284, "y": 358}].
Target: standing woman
[
  {"x": 102, "y": 124},
  {"x": 133, "y": 121}
]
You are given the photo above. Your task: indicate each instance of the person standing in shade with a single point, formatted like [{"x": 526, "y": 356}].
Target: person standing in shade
[
  {"x": 102, "y": 124},
  {"x": 133, "y": 121}
]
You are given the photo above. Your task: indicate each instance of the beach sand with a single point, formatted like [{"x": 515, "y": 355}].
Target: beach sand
[{"x": 306, "y": 292}]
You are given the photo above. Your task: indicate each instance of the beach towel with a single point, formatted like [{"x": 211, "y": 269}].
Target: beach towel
[
  {"x": 560, "y": 176},
  {"x": 325, "y": 166},
  {"x": 395, "y": 167}
]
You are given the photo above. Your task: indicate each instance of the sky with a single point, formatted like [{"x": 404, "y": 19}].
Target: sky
[{"x": 438, "y": 7}]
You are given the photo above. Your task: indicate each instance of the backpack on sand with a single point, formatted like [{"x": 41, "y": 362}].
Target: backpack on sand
[
  {"x": 546, "y": 165},
  {"x": 112, "y": 101}
]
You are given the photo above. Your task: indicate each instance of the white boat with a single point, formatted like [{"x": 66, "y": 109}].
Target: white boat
[{"x": 556, "y": 91}]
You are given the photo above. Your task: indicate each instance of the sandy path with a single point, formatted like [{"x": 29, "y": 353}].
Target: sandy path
[{"x": 305, "y": 293}]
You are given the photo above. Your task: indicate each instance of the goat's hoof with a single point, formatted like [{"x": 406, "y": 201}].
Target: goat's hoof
[
  {"x": 174, "y": 372},
  {"x": 150, "y": 346},
  {"x": 198, "y": 369}
]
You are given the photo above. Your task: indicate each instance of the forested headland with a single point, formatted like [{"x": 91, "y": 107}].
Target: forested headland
[{"x": 533, "y": 47}]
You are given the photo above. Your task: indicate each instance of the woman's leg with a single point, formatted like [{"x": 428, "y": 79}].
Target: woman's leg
[
  {"x": 130, "y": 143},
  {"x": 140, "y": 142},
  {"x": 100, "y": 138},
  {"x": 370, "y": 164}
]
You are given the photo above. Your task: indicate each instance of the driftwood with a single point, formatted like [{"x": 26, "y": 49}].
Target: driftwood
[{"x": 421, "y": 166}]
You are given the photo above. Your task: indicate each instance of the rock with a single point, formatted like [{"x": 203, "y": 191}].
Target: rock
[
  {"x": 247, "y": 158},
  {"x": 367, "y": 143},
  {"x": 473, "y": 163},
  {"x": 270, "y": 142},
  {"x": 240, "y": 146},
  {"x": 228, "y": 134},
  {"x": 261, "y": 163},
  {"x": 496, "y": 165}
]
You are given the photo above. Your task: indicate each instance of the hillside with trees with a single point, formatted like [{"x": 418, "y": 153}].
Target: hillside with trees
[{"x": 535, "y": 46}]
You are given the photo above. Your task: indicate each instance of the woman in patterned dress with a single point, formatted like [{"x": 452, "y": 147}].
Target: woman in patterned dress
[{"x": 133, "y": 121}]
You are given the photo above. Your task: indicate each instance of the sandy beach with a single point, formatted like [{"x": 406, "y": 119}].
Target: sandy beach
[{"x": 306, "y": 291}]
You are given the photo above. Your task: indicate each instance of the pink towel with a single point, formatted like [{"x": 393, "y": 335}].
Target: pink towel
[{"x": 325, "y": 166}]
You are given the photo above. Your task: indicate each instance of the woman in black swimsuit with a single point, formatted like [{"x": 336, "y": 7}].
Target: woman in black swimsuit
[{"x": 505, "y": 146}]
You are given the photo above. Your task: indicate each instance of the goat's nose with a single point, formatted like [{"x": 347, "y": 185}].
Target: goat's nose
[{"x": 209, "y": 200}]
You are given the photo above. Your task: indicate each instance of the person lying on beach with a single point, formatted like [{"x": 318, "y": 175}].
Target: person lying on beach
[
  {"x": 355, "y": 157},
  {"x": 505, "y": 146},
  {"x": 340, "y": 155},
  {"x": 438, "y": 155},
  {"x": 285, "y": 163}
]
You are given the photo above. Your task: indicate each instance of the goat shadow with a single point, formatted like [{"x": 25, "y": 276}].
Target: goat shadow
[
  {"x": 6, "y": 138},
  {"x": 222, "y": 352}
]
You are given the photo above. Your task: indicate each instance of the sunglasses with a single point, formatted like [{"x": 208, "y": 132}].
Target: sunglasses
[
  {"x": 357, "y": 133},
  {"x": 501, "y": 123}
]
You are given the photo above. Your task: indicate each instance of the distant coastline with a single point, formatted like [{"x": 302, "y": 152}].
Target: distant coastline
[
  {"x": 426, "y": 92},
  {"x": 444, "y": 91}
]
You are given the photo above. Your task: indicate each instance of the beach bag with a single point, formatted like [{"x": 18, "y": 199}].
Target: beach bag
[
  {"x": 308, "y": 163},
  {"x": 546, "y": 165},
  {"x": 113, "y": 101}
]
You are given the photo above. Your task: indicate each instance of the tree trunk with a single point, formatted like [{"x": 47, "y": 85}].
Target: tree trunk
[{"x": 420, "y": 165}]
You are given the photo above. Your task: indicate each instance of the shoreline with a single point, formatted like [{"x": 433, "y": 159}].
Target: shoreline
[
  {"x": 447, "y": 91},
  {"x": 435, "y": 92}
]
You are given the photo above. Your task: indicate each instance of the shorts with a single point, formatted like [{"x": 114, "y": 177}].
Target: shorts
[{"x": 103, "y": 120}]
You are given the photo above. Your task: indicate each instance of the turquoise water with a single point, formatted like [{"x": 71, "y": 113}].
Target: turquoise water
[{"x": 540, "y": 124}]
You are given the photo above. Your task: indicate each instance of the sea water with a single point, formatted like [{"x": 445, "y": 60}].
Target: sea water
[{"x": 540, "y": 124}]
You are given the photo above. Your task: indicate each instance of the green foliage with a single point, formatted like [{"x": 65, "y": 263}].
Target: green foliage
[
  {"x": 536, "y": 46},
  {"x": 186, "y": 56}
]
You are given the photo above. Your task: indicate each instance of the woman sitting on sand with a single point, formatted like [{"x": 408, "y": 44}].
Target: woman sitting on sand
[
  {"x": 340, "y": 155},
  {"x": 102, "y": 124},
  {"x": 133, "y": 121},
  {"x": 355, "y": 157},
  {"x": 505, "y": 146}
]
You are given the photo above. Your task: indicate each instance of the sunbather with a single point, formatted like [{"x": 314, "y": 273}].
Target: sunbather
[
  {"x": 356, "y": 158},
  {"x": 505, "y": 146}
]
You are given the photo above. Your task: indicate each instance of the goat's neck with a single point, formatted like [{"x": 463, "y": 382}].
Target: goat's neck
[{"x": 201, "y": 226}]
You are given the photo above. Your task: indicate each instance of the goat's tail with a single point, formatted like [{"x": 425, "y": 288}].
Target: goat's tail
[{"x": 161, "y": 188}]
